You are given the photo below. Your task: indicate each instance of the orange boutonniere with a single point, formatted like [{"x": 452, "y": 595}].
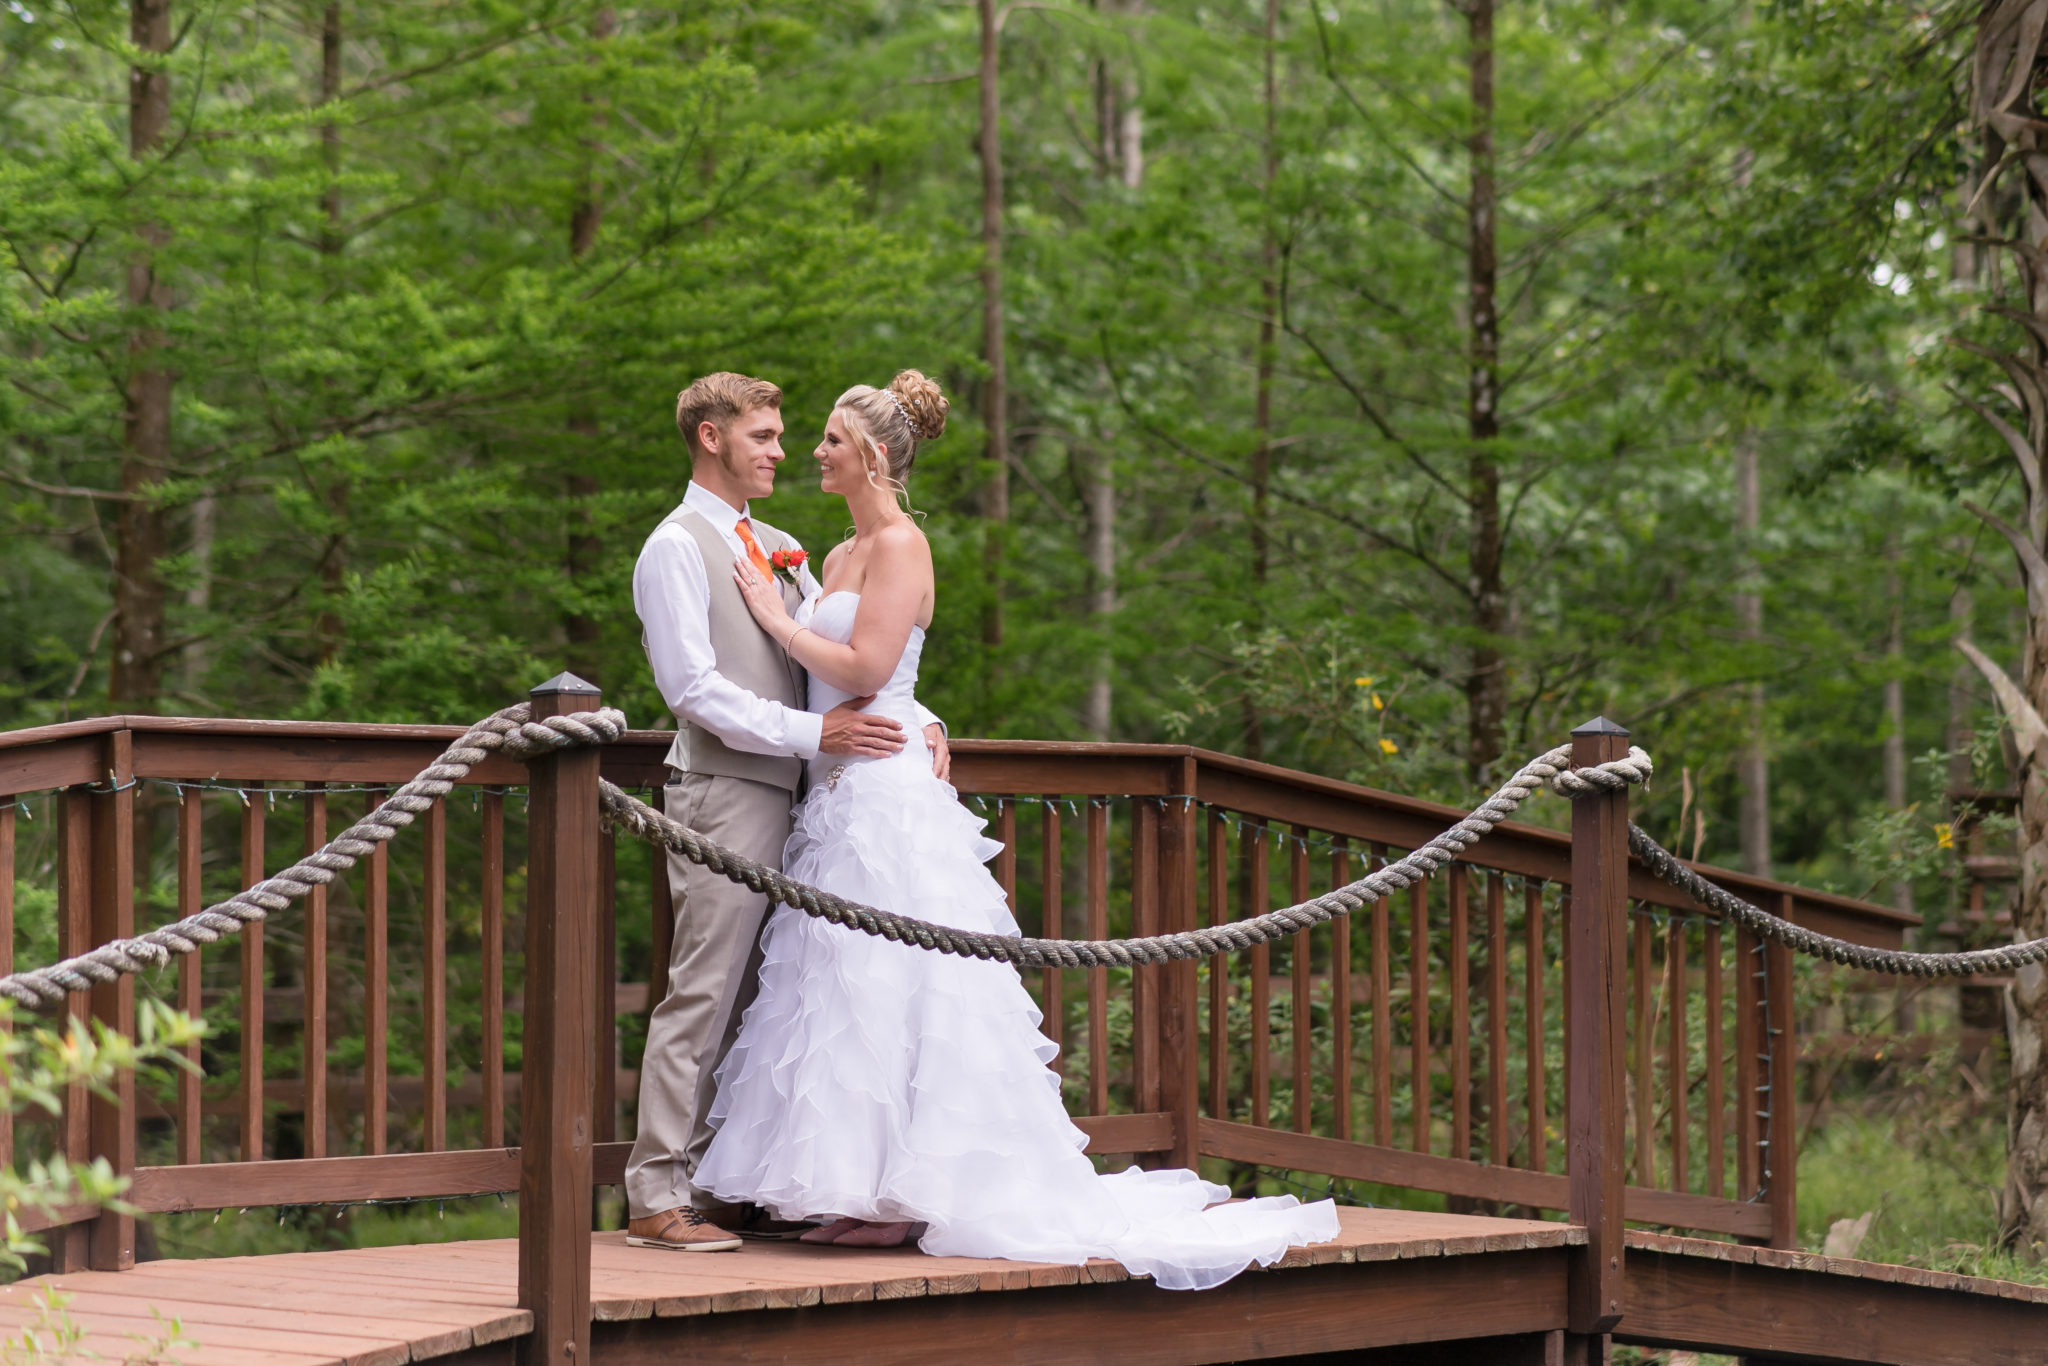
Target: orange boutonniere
[{"x": 789, "y": 563}]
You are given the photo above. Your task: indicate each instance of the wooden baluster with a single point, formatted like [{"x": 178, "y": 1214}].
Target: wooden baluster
[
  {"x": 7, "y": 814},
  {"x": 1497, "y": 1020},
  {"x": 191, "y": 827},
  {"x": 1300, "y": 959},
  {"x": 376, "y": 988},
  {"x": 1098, "y": 977},
  {"x": 1052, "y": 990},
  {"x": 1644, "y": 1037},
  {"x": 1340, "y": 999},
  {"x": 492, "y": 932},
  {"x": 560, "y": 1053},
  {"x": 253, "y": 979},
  {"x": 1179, "y": 1036},
  {"x": 604, "y": 1077},
  {"x": 1219, "y": 969},
  {"x": 1717, "y": 1100},
  {"x": 1382, "y": 1016},
  {"x": 69, "y": 1245},
  {"x": 1595, "y": 1152},
  {"x": 1749, "y": 1046},
  {"x": 111, "y": 1242},
  {"x": 1566, "y": 939},
  {"x": 1006, "y": 861},
  {"x": 313, "y": 1104},
  {"x": 1674, "y": 1051},
  {"x": 1537, "y": 1077},
  {"x": 1781, "y": 1160},
  {"x": 1418, "y": 1014},
  {"x": 434, "y": 974},
  {"x": 1253, "y": 865},
  {"x": 1460, "y": 968},
  {"x": 1145, "y": 983}
]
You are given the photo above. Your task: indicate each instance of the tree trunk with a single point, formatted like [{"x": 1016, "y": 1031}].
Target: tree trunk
[
  {"x": 2008, "y": 70},
  {"x": 581, "y": 555},
  {"x": 334, "y": 564},
  {"x": 1752, "y": 760},
  {"x": 1895, "y": 792},
  {"x": 135, "y": 678},
  {"x": 1486, "y": 686},
  {"x": 1262, "y": 396},
  {"x": 995, "y": 505}
]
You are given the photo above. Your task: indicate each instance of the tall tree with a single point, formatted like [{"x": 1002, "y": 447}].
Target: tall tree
[
  {"x": 995, "y": 406},
  {"x": 586, "y": 216},
  {"x": 1753, "y": 755},
  {"x": 1486, "y": 685},
  {"x": 135, "y": 680},
  {"x": 2011, "y": 64}
]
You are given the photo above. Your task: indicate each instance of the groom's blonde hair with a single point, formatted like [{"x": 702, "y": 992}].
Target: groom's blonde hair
[{"x": 721, "y": 399}]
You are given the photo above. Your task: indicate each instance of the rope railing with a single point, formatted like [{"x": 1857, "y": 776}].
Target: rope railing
[
  {"x": 1552, "y": 771},
  {"x": 513, "y": 734}
]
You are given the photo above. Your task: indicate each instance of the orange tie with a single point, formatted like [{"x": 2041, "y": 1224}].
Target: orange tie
[{"x": 754, "y": 549}]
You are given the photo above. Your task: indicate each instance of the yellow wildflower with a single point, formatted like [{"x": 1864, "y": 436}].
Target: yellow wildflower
[
  {"x": 1388, "y": 746},
  {"x": 1362, "y": 682},
  {"x": 1944, "y": 836},
  {"x": 1378, "y": 705}
]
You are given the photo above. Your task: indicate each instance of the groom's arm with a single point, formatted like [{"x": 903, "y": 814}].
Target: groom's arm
[{"x": 673, "y": 597}]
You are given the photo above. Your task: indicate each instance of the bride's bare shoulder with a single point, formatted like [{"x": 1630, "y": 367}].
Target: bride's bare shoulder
[{"x": 903, "y": 538}]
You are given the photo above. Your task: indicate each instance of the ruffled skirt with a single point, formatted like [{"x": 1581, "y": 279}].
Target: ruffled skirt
[{"x": 892, "y": 1083}]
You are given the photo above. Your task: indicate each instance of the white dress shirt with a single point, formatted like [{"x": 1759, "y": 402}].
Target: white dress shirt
[{"x": 672, "y": 594}]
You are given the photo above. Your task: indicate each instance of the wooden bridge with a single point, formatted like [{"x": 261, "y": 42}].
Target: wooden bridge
[{"x": 1542, "y": 1029}]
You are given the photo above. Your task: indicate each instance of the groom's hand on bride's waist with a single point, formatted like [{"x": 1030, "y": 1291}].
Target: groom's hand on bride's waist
[{"x": 850, "y": 731}]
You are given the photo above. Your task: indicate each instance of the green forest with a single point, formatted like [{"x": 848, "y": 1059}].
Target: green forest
[{"x": 1375, "y": 389}]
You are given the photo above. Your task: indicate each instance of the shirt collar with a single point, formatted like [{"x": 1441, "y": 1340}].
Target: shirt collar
[{"x": 713, "y": 509}]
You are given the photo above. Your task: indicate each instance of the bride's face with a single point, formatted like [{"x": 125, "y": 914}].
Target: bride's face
[{"x": 839, "y": 461}]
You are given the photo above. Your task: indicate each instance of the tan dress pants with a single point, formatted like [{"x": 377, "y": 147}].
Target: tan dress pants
[{"x": 713, "y": 972}]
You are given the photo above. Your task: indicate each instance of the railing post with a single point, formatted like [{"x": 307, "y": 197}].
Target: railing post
[
  {"x": 1593, "y": 967},
  {"x": 1179, "y": 1028},
  {"x": 1781, "y": 1157},
  {"x": 555, "y": 1130},
  {"x": 111, "y": 1118}
]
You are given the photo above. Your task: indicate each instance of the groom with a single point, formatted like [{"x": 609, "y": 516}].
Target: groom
[{"x": 742, "y": 737}]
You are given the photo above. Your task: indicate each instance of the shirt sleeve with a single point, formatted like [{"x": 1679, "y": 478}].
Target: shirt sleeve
[{"x": 673, "y": 597}]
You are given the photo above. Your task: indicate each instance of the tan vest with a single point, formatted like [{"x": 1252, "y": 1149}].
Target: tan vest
[{"x": 745, "y": 655}]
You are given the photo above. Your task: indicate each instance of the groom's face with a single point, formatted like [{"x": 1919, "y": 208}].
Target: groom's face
[{"x": 747, "y": 452}]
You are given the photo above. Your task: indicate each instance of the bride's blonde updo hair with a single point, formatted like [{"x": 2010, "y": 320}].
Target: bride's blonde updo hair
[{"x": 902, "y": 417}]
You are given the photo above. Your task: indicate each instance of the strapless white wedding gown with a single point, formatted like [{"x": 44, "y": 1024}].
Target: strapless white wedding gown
[{"x": 889, "y": 1082}]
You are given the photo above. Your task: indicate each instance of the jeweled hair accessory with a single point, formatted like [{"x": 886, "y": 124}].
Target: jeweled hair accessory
[{"x": 903, "y": 410}]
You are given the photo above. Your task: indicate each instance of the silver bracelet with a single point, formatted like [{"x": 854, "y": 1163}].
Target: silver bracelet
[{"x": 792, "y": 638}]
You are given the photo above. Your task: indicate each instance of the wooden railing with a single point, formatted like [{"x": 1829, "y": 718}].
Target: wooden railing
[{"x": 1424, "y": 1043}]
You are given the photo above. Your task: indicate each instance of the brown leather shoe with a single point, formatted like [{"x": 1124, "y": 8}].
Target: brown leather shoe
[{"x": 680, "y": 1230}]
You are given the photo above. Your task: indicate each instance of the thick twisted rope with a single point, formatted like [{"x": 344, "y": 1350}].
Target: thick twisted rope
[
  {"x": 1552, "y": 770},
  {"x": 511, "y": 732},
  {"x": 1665, "y": 865}
]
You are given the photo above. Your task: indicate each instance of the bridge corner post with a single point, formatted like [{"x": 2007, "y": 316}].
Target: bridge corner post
[
  {"x": 110, "y": 1120},
  {"x": 1180, "y": 1044},
  {"x": 555, "y": 1121},
  {"x": 1596, "y": 992}
]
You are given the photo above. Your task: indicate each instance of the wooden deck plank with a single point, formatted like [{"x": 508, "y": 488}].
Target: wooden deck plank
[
  {"x": 104, "y": 1329},
  {"x": 391, "y": 1305}
]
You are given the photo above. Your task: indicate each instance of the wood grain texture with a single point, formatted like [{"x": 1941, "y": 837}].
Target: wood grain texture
[
  {"x": 1180, "y": 1042},
  {"x": 68, "y": 1250},
  {"x": 1300, "y": 959},
  {"x": 1098, "y": 978},
  {"x": 1643, "y": 1051},
  {"x": 1716, "y": 1064},
  {"x": 313, "y": 1072},
  {"x": 111, "y": 1118},
  {"x": 1534, "y": 1070},
  {"x": 1146, "y": 981},
  {"x": 1382, "y": 1015},
  {"x": 376, "y": 988},
  {"x": 491, "y": 930},
  {"x": 1418, "y": 1015},
  {"x": 1340, "y": 999},
  {"x": 1782, "y": 1131},
  {"x": 1676, "y": 1058},
  {"x": 254, "y": 978},
  {"x": 191, "y": 824},
  {"x": 1253, "y": 902},
  {"x": 1458, "y": 964},
  {"x": 1496, "y": 1020},
  {"x": 1219, "y": 968},
  {"x": 434, "y": 973}
]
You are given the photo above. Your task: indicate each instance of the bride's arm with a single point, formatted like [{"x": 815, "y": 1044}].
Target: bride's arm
[{"x": 898, "y": 580}]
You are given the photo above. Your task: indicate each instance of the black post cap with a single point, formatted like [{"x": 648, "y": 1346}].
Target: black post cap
[
  {"x": 1600, "y": 725},
  {"x": 566, "y": 682}
]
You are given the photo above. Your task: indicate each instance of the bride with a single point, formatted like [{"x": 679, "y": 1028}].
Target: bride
[{"x": 896, "y": 1091}]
